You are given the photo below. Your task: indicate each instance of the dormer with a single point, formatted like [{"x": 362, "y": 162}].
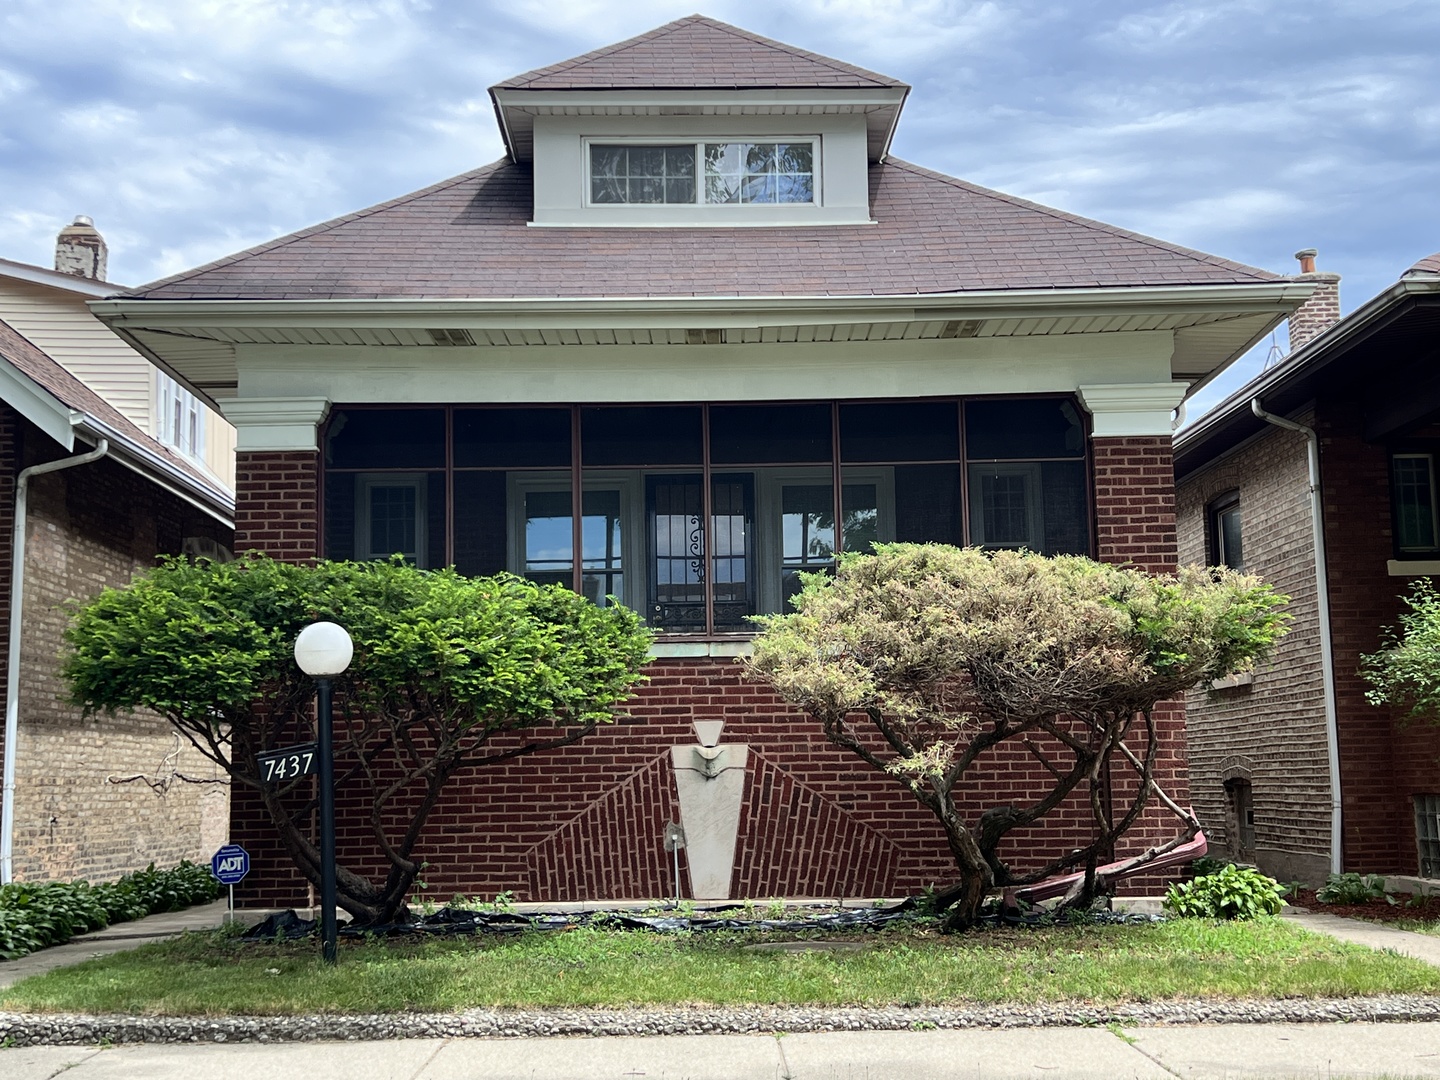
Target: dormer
[{"x": 699, "y": 123}]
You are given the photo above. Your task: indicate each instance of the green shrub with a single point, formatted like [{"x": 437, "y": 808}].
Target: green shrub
[
  {"x": 1231, "y": 893},
  {"x": 35, "y": 916},
  {"x": 1353, "y": 889}
]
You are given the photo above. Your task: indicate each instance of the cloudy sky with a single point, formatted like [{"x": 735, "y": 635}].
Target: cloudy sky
[{"x": 192, "y": 128}]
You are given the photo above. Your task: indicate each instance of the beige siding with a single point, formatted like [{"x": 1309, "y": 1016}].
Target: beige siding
[{"x": 60, "y": 323}]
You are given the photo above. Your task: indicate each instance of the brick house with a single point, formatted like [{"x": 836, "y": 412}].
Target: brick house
[
  {"x": 1307, "y": 777},
  {"x": 695, "y": 317},
  {"x": 87, "y": 498}
]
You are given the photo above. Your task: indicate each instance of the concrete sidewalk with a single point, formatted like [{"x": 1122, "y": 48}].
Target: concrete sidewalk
[
  {"x": 1291, "y": 1051},
  {"x": 1376, "y": 935}
]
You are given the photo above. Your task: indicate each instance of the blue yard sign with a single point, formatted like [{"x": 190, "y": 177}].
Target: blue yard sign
[{"x": 230, "y": 864}]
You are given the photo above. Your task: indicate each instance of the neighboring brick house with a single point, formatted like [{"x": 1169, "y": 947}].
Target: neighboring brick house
[
  {"x": 1307, "y": 777},
  {"x": 87, "y": 798},
  {"x": 693, "y": 319}
]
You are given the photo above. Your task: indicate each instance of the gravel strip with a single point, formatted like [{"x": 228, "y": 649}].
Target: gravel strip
[{"x": 59, "y": 1030}]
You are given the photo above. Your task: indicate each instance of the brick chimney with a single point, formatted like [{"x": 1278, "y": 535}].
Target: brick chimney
[
  {"x": 80, "y": 250},
  {"x": 1322, "y": 309}
]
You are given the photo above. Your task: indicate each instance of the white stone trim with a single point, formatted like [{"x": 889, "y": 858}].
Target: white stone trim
[
  {"x": 1412, "y": 567},
  {"x": 1132, "y": 408},
  {"x": 276, "y": 424},
  {"x": 681, "y": 650}
]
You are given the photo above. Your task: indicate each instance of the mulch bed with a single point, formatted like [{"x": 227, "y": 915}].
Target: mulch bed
[{"x": 1375, "y": 910}]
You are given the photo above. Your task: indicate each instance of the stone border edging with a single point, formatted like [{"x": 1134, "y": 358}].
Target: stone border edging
[{"x": 38, "y": 1029}]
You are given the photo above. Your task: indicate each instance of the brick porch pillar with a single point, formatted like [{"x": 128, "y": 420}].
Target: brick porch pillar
[
  {"x": 1134, "y": 489},
  {"x": 277, "y": 512},
  {"x": 277, "y": 475}
]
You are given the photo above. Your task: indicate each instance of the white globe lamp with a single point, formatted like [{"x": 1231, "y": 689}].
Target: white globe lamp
[{"x": 323, "y": 649}]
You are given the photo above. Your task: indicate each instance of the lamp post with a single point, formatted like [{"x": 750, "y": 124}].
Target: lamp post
[{"x": 323, "y": 650}]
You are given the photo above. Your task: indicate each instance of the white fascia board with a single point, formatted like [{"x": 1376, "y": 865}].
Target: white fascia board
[
  {"x": 818, "y": 98},
  {"x": 717, "y": 311},
  {"x": 37, "y": 405},
  {"x": 38, "y": 275}
]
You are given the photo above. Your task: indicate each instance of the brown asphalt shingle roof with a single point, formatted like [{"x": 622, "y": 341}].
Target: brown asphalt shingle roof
[
  {"x": 698, "y": 53},
  {"x": 33, "y": 361},
  {"x": 1428, "y": 265},
  {"x": 468, "y": 238}
]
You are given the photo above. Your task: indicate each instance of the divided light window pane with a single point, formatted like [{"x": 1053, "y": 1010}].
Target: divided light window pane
[
  {"x": 740, "y": 172},
  {"x": 549, "y": 541},
  {"x": 1413, "y": 477},
  {"x": 642, "y": 174}
]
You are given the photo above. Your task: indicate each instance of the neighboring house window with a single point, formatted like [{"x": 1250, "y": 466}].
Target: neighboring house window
[
  {"x": 1227, "y": 543},
  {"x": 1427, "y": 834},
  {"x": 179, "y": 417},
  {"x": 712, "y": 173},
  {"x": 700, "y": 516},
  {"x": 1412, "y": 486},
  {"x": 390, "y": 516}
]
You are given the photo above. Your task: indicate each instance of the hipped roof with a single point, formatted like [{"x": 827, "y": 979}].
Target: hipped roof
[
  {"x": 470, "y": 237},
  {"x": 698, "y": 53}
]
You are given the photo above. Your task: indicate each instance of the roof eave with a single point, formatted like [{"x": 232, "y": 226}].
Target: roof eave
[
  {"x": 1235, "y": 411},
  {"x": 1277, "y": 296},
  {"x": 38, "y": 275}
]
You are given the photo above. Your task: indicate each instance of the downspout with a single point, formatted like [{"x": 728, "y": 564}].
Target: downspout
[
  {"x": 12, "y": 668},
  {"x": 1322, "y": 605}
]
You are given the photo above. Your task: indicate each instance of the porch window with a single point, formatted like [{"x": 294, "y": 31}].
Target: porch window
[{"x": 700, "y": 516}]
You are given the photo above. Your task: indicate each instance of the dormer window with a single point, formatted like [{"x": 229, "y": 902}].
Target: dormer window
[{"x": 743, "y": 172}]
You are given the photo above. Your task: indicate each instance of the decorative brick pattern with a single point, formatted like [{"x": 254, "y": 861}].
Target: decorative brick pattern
[
  {"x": 797, "y": 842},
  {"x": 1233, "y": 732},
  {"x": 595, "y": 853},
  {"x": 275, "y": 504}
]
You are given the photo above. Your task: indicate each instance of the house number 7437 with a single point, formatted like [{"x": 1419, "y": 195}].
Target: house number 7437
[{"x": 287, "y": 763}]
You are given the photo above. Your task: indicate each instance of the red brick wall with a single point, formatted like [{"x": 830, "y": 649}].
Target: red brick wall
[
  {"x": 1383, "y": 763},
  {"x": 275, "y": 504},
  {"x": 587, "y": 821},
  {"x": 1135, "y": 524}
]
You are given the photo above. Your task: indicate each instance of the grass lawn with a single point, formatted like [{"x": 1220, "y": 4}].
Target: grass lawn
[{"x": 214, "y": 974}]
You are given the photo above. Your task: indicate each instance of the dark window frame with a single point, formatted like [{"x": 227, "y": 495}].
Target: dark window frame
[
  {"x": 837, "y": 465},
  {"x": 1401, "y": 551},
  {"x": 1216, "y": 510}
]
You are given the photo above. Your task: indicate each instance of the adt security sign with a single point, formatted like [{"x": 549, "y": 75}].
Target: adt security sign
[{"x": 230, "y": 864}]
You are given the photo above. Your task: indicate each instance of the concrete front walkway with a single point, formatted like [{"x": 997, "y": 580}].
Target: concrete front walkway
[
  {"x": 1376, "y": 935},
  {"x": 1290, "y": 1051}
]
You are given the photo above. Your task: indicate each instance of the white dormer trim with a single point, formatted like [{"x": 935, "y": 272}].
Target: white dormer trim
[
  {"x": 561, "y": 170},
  {"x": 518, "y": 108}
]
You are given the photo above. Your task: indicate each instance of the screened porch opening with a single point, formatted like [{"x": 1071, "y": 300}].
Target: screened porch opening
[{"x": 700, "y": 516}]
